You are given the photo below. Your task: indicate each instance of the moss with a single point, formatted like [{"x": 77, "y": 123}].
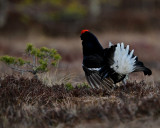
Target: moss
[
  {"x": 69, "y": 86},
  {"x": 83, "y": 85}
]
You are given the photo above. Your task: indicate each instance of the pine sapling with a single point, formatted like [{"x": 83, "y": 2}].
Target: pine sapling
[{"x": 39, "y": 60}]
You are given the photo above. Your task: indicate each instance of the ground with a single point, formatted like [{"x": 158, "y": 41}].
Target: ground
[{"x": 27, "y": 102}]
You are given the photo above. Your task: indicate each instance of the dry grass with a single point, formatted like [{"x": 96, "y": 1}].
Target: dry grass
[
  {"x": 146, "y": 47},
  {"x": 29, "y": 103}
]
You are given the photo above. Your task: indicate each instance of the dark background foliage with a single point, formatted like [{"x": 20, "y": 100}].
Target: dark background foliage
[{"x": 67, "y": 17}]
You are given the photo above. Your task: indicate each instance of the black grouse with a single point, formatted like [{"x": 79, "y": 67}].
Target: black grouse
[{"x": 105, "y": 67}]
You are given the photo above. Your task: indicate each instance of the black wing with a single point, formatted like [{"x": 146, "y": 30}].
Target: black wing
[
  {"x": 106, "y": 71},
  {"x": 94, "y": 79}
]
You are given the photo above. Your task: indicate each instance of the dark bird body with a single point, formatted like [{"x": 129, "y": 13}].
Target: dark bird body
[{"x": 105, "y": 67}]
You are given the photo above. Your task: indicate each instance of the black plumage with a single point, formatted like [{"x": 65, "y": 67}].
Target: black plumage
[{"x": 97, "y": 63}]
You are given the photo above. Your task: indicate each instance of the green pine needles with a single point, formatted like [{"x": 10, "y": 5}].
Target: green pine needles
[{"x": 39, "y": 60}]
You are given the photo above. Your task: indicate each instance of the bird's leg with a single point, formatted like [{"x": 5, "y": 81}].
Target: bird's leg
[
  {"x": 115, "y": 86},
  {"x": 124, "y": 81}
]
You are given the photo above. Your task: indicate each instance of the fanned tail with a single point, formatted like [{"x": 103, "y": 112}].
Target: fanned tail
[{"x": 124, "y": 60}]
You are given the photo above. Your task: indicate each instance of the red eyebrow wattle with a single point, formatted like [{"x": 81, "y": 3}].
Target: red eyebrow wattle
[{"x": 83, "y": 31}]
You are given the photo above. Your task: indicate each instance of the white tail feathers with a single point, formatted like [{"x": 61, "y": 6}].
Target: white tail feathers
[
  {"x": 124, "y": 62},
  {"x": 110, "y": 44}
]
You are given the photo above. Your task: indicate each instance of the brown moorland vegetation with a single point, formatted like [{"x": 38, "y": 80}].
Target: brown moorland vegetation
[{"x": 27, "y": 103}]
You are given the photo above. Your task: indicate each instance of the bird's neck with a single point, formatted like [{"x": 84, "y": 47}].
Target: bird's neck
[{"x": 92, "y": 48}]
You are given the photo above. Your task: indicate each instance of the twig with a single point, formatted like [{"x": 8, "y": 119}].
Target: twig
[
  {"x": 20, "y": 70},
  {"x": 30, "y": 65},
  {"x": 34, "y": 61}
]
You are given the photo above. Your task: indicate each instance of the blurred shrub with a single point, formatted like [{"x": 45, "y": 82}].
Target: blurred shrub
[
  {"x": 55, "y": 9},
  {"x": 68, "y": 17}
]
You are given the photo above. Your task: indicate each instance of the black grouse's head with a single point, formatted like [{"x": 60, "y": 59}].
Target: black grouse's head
[
  {"x": 86, "y": 35},
  {"x": 90, "y": 43}
]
